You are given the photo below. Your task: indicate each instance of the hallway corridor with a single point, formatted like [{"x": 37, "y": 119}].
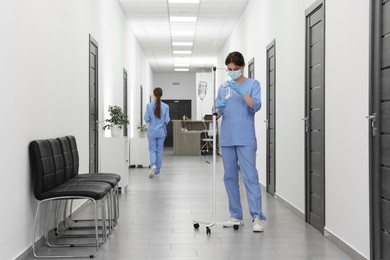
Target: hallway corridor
[{"x": 156, "y": 221}]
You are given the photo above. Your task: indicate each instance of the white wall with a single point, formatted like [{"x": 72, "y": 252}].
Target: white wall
[
  {"x": 347, "y": 136},
  {"x": 44, "y": 89},
  {"x": 346, "y": 105},
  {"x": 139, "y": 73},
  {"x": 185, "y": 90}
]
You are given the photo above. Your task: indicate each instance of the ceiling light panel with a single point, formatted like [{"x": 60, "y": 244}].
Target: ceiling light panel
[
  {"x": 183, "y": 10},
  {"x": 145, "y": 7},
  {"x": 182, "y": 52},
  {"x": 179, "y": 60},
  {"x": 192, "y": 19},
  {"x": 182, "y": 69},
  {"x": 213, "y": 7},
  {"x": 183, "y": 33},
  {"x": 182, "y": 44},
  {"x": 183, "y": 1},
  {"x": 183, "y": 26}
]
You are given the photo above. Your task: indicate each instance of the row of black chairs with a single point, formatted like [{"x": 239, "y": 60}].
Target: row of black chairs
[{"x": 57, "y": 182}]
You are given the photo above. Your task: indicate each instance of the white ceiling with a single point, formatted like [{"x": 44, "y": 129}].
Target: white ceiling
[{"x": 149, "y": 19}]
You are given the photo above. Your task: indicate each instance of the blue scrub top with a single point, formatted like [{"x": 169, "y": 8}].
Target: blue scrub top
[
  {"x": 157, "y": 126},
  {"x": 238, "y": 120}
]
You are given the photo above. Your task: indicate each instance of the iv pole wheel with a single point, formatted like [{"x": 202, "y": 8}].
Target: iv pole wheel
[
  {"x": 196, "y": 225},
  {"x": 235, "y": 227},
  {"x": 208, "y": 231}
]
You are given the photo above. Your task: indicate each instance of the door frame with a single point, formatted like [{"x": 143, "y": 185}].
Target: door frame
[
  {"x": 374, "y": 143},
  {"x": 141, "y": 105},
  {"x": 272, "y": 44},
  {"x": 314, "y": 7},
  {"x": 125, "y": 100},
  {"x": 251, "y": 72},
  {"x": 92, "y": 41}
]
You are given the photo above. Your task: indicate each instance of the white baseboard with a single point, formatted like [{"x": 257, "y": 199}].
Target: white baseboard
[
  {"x": 343, "y": 245},
  {"x": 329, "y": 235},
  {"x": 285, "y": 203}
]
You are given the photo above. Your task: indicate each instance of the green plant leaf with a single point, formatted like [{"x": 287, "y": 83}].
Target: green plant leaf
[{"x": 117, "y": 117}]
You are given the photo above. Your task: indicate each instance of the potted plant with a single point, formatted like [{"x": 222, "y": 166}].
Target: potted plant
[
  {"x": 142, "y": 128},
  {"x": 117, "y": 121}
]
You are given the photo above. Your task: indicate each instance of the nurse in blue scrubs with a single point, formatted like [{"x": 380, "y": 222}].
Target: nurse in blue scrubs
[
  {"x": 238, "y": 142},
  {"x": 157, "y": 116}
]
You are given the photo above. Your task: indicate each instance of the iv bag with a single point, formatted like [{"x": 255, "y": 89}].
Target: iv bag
[{"x": 202, "y": 89}]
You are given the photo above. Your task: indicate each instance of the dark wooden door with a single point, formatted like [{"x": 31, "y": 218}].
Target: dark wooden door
[
  {"x": 315, "y": 116},
  {"x": 251, "y": 68},
  {"x": 270, "y": 122},
  {"x": 125, "y": 99},
  {"x": 177, "y": 109},
  {"x": 380, "y": 130},
  {"x": 93, "y": 106}
]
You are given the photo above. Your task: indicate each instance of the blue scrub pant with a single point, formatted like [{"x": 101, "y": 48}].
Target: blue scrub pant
[
  {"x": 246, "y": 157},
  {"x": 156, "y": 147}
]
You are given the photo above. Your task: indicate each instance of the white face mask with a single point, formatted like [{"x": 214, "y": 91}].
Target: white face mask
[{"x": 235, "y": 74}]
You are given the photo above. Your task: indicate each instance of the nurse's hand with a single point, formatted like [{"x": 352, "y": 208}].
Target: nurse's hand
[
  {"x": 221, "y": 103},
  {"x": 233, "y": 85}
]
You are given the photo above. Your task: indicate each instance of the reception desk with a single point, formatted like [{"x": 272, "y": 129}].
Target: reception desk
[{"x": 187, "y": 136}]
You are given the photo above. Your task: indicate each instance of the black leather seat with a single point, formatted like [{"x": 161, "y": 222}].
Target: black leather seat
[
  {"x": 70, "y": 152},
  {"x": 50, "y": 181},
  {"x": 63, "y": 160},
  {"x": 50, "y": 184},
  {"x": 72, "y": 167},
  {"x": 75, "y": 156}
]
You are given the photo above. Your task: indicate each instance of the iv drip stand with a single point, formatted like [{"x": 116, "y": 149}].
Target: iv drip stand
[{"x": 212, "y": 223}]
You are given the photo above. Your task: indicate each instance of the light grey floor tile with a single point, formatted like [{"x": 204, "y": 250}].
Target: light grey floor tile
[
  {"x": 331, "y": 258},
  {"x": 156, "y": 221}
]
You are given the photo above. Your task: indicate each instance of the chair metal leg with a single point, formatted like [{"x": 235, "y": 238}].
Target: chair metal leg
[
  {"x": 45, "y": 228},
  {"x": 113, "y": 207},
  {"x": 105, "y": 206}
]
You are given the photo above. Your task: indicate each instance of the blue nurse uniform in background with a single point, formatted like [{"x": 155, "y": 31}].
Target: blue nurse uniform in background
[
  {"x": 157, "y": 131},
  {"x": 239, "y": 146}
]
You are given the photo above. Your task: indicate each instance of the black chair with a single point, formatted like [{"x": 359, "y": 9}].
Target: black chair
[
  {"x": 50, "y": 185},
  {"x": 71, "y": 155},
  {"x": 63, "y": 161},
  {"x": 75, "y": 156}
]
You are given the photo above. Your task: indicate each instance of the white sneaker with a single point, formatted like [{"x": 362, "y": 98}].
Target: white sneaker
[
  {"x": 257, "y": 225},
  {"x": 233, "y": 221},
  {"x": 152, "y": 171}
]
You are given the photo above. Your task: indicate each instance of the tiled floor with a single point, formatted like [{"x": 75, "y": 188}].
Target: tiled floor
[{"x": 156, "y": 221}]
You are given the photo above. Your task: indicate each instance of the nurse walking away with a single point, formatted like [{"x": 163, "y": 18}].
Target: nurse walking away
[
  {"x": 157, "y": 116},
  {"x": 238, "y": 142}
]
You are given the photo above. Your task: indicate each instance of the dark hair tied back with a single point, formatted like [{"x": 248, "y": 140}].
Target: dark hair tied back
[{"x": 157, "y": 92}]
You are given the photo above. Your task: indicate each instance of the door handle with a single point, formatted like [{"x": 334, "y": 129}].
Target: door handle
[
  {"x": 266, "y": 123},
  {"x": 374, "y": 129},
  {"x": 306, "y": 119}
]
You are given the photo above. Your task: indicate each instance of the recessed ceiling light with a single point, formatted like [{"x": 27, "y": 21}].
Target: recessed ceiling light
[
  {"x": 183, "y": 33},
  {"x": 183, "y": 18},
  {"x": 182, "y": 52},
  {"x": 184, "y": 1},
  {"x": 182, "y": 43},
  {"x": 181, "y": 65},
  {"x": 182, "y": 69},
  {"x": 181, "y": 60}
]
